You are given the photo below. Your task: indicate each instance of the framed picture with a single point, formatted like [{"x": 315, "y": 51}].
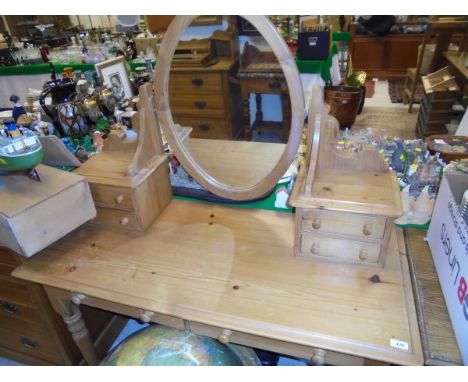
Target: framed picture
[{"x": 114, "y": 74}]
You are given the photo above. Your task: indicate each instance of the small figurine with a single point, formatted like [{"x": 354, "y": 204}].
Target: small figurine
[{"x": 18, "y": 109}]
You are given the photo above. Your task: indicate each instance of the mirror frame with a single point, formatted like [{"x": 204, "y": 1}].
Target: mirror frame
[{"x": 293, "y": 80}]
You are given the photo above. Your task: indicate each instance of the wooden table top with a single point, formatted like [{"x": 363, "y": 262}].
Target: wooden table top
[
  {"x": 437, "y": 336},
  {"x": 235, "y": 268}
]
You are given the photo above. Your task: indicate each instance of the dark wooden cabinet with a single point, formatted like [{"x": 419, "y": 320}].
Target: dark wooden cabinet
[
  {"x": 32, "y": 333},
  {"x": 386, "y": 57}
]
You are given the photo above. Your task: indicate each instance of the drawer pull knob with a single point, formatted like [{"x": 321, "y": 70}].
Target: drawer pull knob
[
  {"x": 119, "y": 199},
  {"x": 317, "y": 223},
  {"x": 225, "y": 336},
  {"x": 77, "y": 298},
  {"x": 315, "y": 248},
  {"x": 200, "y": 104},
  {"x": 319, "y": 357},
  {"x": 124, "y": 221},
  {"x": 274, "y": 85},
  {"x": 363, "y": 255},
  {"x": 197, "y": 81},
  {"x": 30, "y": 344},
  {"x": 146, "y": 316},
  {"x": 204, "y": 127},
  {"x": 367, "y": 229},
  {"x": 8, "y": 307}
]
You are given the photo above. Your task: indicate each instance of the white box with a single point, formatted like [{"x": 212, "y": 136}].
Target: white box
[
  {"x": 34, "y": 214},
  {"x": 448, "y": 240}
]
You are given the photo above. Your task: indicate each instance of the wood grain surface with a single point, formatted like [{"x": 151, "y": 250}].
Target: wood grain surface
[{"x": 235, "y": 269}]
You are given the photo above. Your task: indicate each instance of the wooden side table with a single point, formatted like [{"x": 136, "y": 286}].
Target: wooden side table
[
  {"x": 437, "y": 337},
  {"x": 264, "y": 83}
]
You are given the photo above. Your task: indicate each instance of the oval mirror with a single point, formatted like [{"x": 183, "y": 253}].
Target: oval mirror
[{"x": 211, "y": 84}]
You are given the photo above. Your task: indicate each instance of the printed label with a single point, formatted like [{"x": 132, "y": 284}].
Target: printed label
[{"x": 399, "y": 344}]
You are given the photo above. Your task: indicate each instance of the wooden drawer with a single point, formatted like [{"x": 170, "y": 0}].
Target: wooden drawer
[
  {"x": 125, "y": 310},
  {"x": 36, "y": 345},
  {"x": 319, "y": 356},
  {"x": 198, "y": 105},
  {"x": 340, "y": 249},
  {"x": 212, "y": 128},
  {"x": 17, "y": 314},
  {"x": 343, "y": 223},
  {"x": 264, "y": 85},
  {"x": 8, "y": 257},
  {"x": 16, "y": 292},
  {"x": 199, "y": 83},
  {"x": 121, "y": 219},
  {"x": 114, "y": 197}
]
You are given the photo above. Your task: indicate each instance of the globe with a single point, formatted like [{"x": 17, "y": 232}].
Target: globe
[{"x": 158, "y": 345}]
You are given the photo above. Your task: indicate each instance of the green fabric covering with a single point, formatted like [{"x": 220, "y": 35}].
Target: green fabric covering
[
  {"x": 341, "y": 36},
  {"x": 321, "y": 67},
  {"x": 59, "y": 67},
  {"x": 267, "y": 203}
]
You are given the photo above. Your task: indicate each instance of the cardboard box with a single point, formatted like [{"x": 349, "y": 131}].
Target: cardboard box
[
  {"x": 34, "y": 214},
  {"x": 448, "y": 240}
]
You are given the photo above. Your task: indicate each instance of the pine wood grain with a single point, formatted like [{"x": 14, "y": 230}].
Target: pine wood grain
[{"x": 235, "y": 269}]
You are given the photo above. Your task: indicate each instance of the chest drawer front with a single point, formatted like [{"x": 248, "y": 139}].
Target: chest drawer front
[
  {"x": 120, "y": 219},
  {"x": 199, "y": 83},
  {"x": 198, "y": 105},
  {"x": 265, "y": 85},
  {"x": 319, "y": 356},
  {"x": 16, "y": 292},
  {"x": 211, "y": 128},
  {"x": 343, "y": 223},
  {"x": 335, "y": 248},
  {"x": 33, "y": 344},
  {"x": 12, "y": 313},
  {"x": 114, "y": 197}
]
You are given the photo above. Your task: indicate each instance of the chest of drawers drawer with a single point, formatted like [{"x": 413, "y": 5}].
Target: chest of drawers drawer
[
  {"x": 112, "y": 197},
  {"x": 336, "y": 248},
  {"x": 198, "y": 83},
  {"x": 213, "y": 128},
  {"x": 120, "y": 219},
  {"x": 198, "y": 105},
  {"x": 316, "y": 355},
  {"x": 343, "y": 223}
]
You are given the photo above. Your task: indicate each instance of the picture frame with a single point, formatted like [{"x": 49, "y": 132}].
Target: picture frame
[{"x": 115, "y": 74}]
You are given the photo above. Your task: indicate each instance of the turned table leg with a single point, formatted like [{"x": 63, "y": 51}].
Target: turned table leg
[
  {"x": 246, "y": 115},
  {"x": 68, "y": 308},
  {"x": 77, "y": 327}
]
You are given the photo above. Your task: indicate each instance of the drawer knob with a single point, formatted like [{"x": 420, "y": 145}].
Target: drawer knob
[
  {"x": 77, "y": 298},
  {"x": 197, "y": 81},
  {"x": 317, "y": 223},
  {"x": 367, "y": 229},
  {"x": 274, "y": 85},
  {"x": 319, "y": 357},
  {"x": 200, "y": 104},
  {"x": 225, "y": 336},
  {"x": 119, "y": 199},
  {"x": 315, "y": 248},
  {"x": 124, "y": 221},
  {"x": 204, "y": 127},
  {"x": 8, "y": 307},
  {"x": 146, "y": 316},
  {"x": 363, "y": 255},
  {"x": 30, "y": 344}
]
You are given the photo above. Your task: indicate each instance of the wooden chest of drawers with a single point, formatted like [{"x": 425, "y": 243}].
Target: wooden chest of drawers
[
  {"x": 343, "y": 237},
  {"x": 32, "y": 333},
  {"x": 123, "y": 202},
  {"x": 205, "y": 99}
]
